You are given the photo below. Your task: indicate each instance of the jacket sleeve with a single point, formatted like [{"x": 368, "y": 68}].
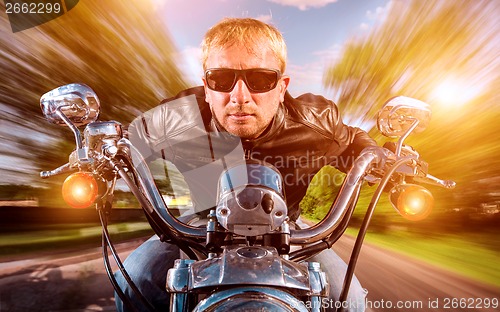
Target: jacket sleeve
[
  {"x": 147, "y": 132},
  {"x": 352, "y": 140},
  {"x": 346, "y": 142}
]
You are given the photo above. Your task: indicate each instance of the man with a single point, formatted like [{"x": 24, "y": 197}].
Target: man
[{"x": 244, "y": 96}]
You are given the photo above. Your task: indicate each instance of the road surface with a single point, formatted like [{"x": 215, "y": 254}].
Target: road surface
[
  {"x": 76, "y": 281},
  {"x": 396, "y": 280}
]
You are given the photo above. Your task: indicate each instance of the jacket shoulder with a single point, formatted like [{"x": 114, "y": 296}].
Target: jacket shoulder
[
  {"x": 187, "y": 109},
  {"x": 199, "y": 93},
  {"x": 314, "y": 111}
]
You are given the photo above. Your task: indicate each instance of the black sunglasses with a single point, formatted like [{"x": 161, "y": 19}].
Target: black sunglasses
[{"x": 258, "y": 80}]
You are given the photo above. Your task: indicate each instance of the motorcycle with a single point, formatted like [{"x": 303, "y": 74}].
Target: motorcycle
[{"x": 245, "y": 256}]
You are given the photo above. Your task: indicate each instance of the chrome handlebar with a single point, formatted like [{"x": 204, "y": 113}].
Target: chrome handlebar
[
  {"x": 60, "y": 170},
  {"x": 323, "y": 229},
  {"x": 337, "y": 212},
  {"x": 151, "y": 192},
  {"x": 369, "y": 158}
]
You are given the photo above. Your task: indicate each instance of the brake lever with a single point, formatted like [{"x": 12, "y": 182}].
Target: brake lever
[{"x": 432, "y": 180}]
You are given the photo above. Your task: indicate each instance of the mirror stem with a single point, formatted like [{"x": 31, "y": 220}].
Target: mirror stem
[
  {"x": 404, "y": 136},
  {"x": 76, "y": 132}
]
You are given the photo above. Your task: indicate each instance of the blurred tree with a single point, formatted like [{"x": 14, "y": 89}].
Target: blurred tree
[
  {"x": 120, "y": 49},
  {"x": 419, "y": 45},
  {"x": 444, "y": 53}
]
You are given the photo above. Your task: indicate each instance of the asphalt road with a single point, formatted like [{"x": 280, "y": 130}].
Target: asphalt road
[
  {"x": 69, "y": 281},
  {"x": 398, "y": 283},
  {"x": 76, "y": 281}
]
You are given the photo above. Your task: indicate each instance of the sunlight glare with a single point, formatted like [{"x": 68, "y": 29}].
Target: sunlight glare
[
  {"x": 158, "y": 4},
  {"x": 454, "y": 93}
]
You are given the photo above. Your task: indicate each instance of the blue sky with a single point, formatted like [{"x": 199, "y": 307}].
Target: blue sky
[{"x": 315, "y": 31}]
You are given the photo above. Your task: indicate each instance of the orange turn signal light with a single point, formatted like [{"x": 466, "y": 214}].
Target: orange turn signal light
[
  {"x": 413, "y": 202},
  {"x": 80, "y": 190}
]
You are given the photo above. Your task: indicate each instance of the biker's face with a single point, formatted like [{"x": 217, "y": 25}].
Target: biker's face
[{"x": 240, "y": 111}]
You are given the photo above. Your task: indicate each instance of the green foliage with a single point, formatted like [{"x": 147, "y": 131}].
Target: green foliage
[
  {"x": 428, "y": 49},
  {"x": 321, "y": 193},
  {"x": 124, "y": 199},
  {"x": 53, "y": 237},
  {"x": 419, "y": 44},
  {"x": 18, "y": 192}
]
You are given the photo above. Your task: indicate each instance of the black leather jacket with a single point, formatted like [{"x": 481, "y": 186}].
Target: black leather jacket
[{"x": 306, "y": 134}]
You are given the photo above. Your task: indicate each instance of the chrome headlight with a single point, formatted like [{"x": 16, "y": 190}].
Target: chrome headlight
[{"x": 251, "y": 299}]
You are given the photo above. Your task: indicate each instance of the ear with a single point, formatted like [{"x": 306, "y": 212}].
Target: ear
[
  {"x": 207, "y": 93},
  {"x": 283, "y": 85}
]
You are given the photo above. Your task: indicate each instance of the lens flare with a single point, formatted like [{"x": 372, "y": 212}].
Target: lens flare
[{"x": 80, "y": 190}]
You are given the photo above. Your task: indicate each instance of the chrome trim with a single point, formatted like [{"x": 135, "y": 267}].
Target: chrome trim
[
  {"x": 146, "y": 181},
  {"x": 267, "y": 213},
  {"x": 280, "y": 298},
  {"x": 255, "y": 265},
  {"x": 98, "y": 133},
  {"x": 77, "y": 102}
]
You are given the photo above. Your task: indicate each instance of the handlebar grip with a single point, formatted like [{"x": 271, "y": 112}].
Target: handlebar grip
[
  {"x": 449, "y": 184},
  {"x": 62, "y": 169},
  {"x": 45, "y": 174}
]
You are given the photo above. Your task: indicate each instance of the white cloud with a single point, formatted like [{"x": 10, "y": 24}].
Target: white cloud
[
  {"x": 328, "y": 55},
  {"x": 364, "y": 26},
  {"x": 189, "y": 62},
  {"x": 378, "y": 16},
  {"x": 304, "y": 78},
  {"x": 304, "y": 4},
  {"x": 265, "y": 18},
  {"x": 380, "y": 13},
  {"x": 309, "y": 77}
]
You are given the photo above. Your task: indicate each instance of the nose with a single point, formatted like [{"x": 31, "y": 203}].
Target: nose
[{"x": 240, "y": 93}]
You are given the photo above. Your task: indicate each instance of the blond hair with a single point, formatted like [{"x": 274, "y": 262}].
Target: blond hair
[{"x": 247, "y": 32}]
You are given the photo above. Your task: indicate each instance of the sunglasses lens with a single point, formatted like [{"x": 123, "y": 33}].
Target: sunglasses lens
[
  {"x": 261, "y": 80},
  {"x": 221, "y": 80},
  {"x": 257, "y": 80}
]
